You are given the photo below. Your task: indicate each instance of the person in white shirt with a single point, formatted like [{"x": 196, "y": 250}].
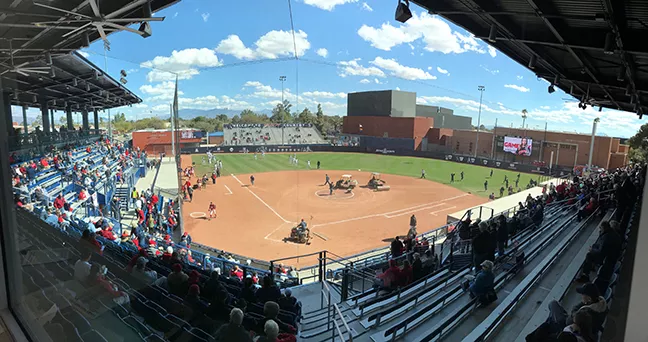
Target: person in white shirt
[
  {"x": 138, "y": 204},
  {"x": 82, "y": 266},
  {"x": 308, "y": 163}
]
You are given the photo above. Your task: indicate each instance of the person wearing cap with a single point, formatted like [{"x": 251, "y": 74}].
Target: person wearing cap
[
  {"x": 483, "y": 283},
  {"x": 140, "y": 272},
  {"x": 289, "y": 303},
  {"x": 166, "y": 256},
  {"x": 177, "y": 281},
  {"x": 192, "y": 300},
  {"x": 591, "y": 302},
  {"x": 234, "y": 330}
]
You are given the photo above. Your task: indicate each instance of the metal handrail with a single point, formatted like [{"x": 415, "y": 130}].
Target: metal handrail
[{"x": 331, "y": 313}]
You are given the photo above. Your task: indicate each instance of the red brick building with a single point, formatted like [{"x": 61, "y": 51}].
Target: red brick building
[{"x": 155, "y": 142}]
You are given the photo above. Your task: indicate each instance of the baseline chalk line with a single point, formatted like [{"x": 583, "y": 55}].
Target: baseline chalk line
[
  {"x": 260, "y": 200},
  {"x": 228, "y": 189}
]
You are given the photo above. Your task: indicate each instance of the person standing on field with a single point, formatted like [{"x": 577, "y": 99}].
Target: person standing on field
[
  {"x": 486, "y": 185},
  {"x": 252, "y": 179},
  {"x": 308, "y": 163},
  {"x": 452, "y": 177},
  {"x": 462, "y": 175},
  {"x": 423, "y": 174},
  {"x": 328, "y": 180},
  {"x": 212, "y": 210},
  {"x": 491, "y": 173},
  {"x": 318, "y": 164}
]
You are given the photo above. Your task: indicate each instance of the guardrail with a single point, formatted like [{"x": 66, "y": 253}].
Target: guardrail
[{"x": 332, "y": 314}]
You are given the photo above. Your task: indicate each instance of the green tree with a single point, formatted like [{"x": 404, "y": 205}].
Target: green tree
[
  {"x": 38, "y": 122},
  {"x": 306, "y": 117},
  {"x": 281, "y": 113},
  {"x": 639, "y": 144},
  {"x": 62, "y": 120}
]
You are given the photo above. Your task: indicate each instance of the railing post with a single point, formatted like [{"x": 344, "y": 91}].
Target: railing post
[
  {"x": 345, "y": 284},
  {"x": 320, "y": 267}
]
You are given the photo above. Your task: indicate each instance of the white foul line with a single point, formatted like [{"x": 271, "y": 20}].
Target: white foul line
[
  {"x": 262, "y": 201},
  {"x": 442, "y": 210},
  {"x": 228, "y": 189},
  {"x": 403, "y": 211}
]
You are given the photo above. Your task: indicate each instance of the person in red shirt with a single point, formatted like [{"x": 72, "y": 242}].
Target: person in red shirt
[
  {"x": 44, "y": 163},
  {"x": 154, "y": 199},
  {"x": 212, "y": 210},
  {"x": 172, "y": 222},
  {"x": 82, "y": 195},
  {"x": 140, "y": 216},
  {"x": 88, "y": 149},
  {"x": 59, "y": 202}
]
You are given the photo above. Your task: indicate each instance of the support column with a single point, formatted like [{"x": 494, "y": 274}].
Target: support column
[
  {"x": 96, "y": 120},
  {"x": 45, "y": 114},
  {"x": 84, "y": 119},
  {"x": 52, "y": 119},
  {"x": 25, "y": 125},
  {"x": 70, "y": 121},
  {"x": 6, "y": 102}
]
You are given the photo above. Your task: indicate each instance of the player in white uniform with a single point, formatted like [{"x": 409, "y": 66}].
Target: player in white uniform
[{"x": 308, "y": 163}]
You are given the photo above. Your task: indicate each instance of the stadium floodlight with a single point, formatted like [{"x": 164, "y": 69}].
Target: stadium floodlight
[
  {"x": 551, "y": 89},
  {"x": 403, "y": 12},
  {"x": 492, "y": 36}
]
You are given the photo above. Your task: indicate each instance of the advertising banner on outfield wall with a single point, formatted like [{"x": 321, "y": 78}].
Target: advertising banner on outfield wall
[{"x": 527, "y": 168}]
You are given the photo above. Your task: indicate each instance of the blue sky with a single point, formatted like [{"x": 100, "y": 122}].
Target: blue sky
[{"x": 230, "y": 54}]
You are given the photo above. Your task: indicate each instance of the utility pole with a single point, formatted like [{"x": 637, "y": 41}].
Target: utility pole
[
  {"x": 282, "y": 79},
  {"x": 481, "y": 95}
]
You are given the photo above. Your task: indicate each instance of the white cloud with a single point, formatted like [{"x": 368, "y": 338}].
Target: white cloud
[
  {"x": 545, "y": 107},
  {"x": 266, "y": 91},
  {"x": 271, "y": 45},
  {"x": 83, "y": 53},
  {"x": 398, "y": 88},
  {"x": 364, "y": 81},
  {"x": 377, "y": 81},
  {"x": 161, "y": 91},
  {"x": 517, "y": 87},
  {"x": 184, "y": 62},
  {"x": 353, "y": 68},
  {"x": 494, "y": 72},
  {"x": 327, "y": 5},
  {"x": 467, "y": 105},
  {"x": 161, "y": 108},
  {"x": 366, "y": 7},
  {"x": 435, "y": 33},
  {"x": 140, "y": 105},
  {"x": 519, "y": 77},
  {"x": 492, "y": 51},
  {"x": 211, "y": 101},
  {"x": 402, "y": 71},
  {"x": 175, "y": 14},
  {"x": 443, "y": 71},
  {"x": 205, "y": 16},
  {"x": 322, "y": 52},
  {"x": 429, "y": 68},
  {"x": 324, "y": 94}
]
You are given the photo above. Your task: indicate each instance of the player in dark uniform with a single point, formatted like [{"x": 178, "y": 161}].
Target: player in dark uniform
[
  {"x": 330, "y": 189},
  {"x": 252, "y": 179},
  {"x": 462, "y": 175},
  {"x": 502, "y": 192},
  {"x": 318, "y": 164},
  {"x": 328, "y": 180},
  {"x": 491, "y": 174},
  {"x": 505, "y": 179},
  {"x": 452, "y": 177},
  {"x": 486, "y": 185}
]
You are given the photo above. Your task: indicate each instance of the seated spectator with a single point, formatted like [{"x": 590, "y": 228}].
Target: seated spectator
[
  {"x": 249, "y": 291},
  {"x": 388, "y": 280},
  {"x": 192, "y": 301},
  {"x": 89, "y": 241},
  {"x": 271, "y": 331},
  {"x": 406, "y": 274},
  {"x": 417, "y": 267},
  {"x": 268, "y": 291},
  {"x": 592, "y": 303},
  {"x": 588, "y": 209},
  {"x": 289, "y": 303},
  {"x": 82, "y": 266},
  {"x": 194, "y": 278},
  {"x": 166, "y": 257},
  {"x": 177, "y": 281},
  {"x": 133, "y": 261},
  {"x": 482, "y": 285},
  {"x": 140, "y": 272},
  {"x": 270, "y": 312},
  {"x": 581, "y": 328},
  {"x": 97, "y": 277},
  {"x": 233, "y": 331},
  {"x": 606, "y": 252},
  {"x": 214, "y": 289}
]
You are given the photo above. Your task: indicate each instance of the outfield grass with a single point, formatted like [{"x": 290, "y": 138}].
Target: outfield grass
[{"x": 436, "y": 170}]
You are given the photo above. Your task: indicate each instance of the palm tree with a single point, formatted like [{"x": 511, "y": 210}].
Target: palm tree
[{"x": 524, "y": 116}]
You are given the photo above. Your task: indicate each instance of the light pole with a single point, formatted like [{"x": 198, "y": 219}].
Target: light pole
[
  {"x": 524, "y": 116},
  {"x": 591, "y": 150},
  {"x": 481, "y": 95},
  {"x": 282, "y": 79}
]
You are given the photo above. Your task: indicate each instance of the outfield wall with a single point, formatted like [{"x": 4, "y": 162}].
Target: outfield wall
[{"x": 527, "y": 168}]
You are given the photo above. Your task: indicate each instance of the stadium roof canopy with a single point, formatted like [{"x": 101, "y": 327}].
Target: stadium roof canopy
[
  {"x": 37, "y": 43},
  {"x": 593, "y": 50}
]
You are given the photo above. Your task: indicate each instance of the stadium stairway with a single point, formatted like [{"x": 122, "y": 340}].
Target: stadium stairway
[
  {"x": 370, "y": 317},
  {"x": 122, "y": 191}
]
